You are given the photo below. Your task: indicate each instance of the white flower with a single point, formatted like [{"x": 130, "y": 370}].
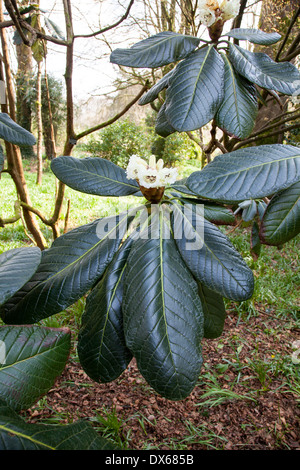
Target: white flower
[
  {"x": 168, "y": 175},
  {"x": 212, "y": 10},
  {"x": 149, "y": 178},
  {"x": 135, "y": 165},
  {"x": 152, "y": 174},
  {"x": 230, "y": 9},
  {"x": 207, "y": 16}
]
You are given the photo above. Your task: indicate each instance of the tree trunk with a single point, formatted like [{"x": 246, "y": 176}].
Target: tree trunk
[
  {"x": 40, "y": 125},
  {"x": 275, "y": 17},
  {"x": 14, "y": 158},
  {"x": 23, "y": 79},
  {"x": 49, "y": 130}
]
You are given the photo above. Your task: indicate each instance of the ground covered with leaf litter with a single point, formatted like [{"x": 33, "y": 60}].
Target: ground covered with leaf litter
[{"x": 246, "y": 399}]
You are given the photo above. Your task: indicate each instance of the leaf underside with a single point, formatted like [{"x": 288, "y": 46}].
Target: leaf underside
[
  {"x": 281, "y": 220},
  {"x": 156, "y": 51},
  {"x": 259, "y": 68}
]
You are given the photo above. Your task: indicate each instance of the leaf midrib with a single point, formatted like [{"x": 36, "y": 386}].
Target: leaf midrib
[
  {"x": 242, "y": 170},
  {"x": 25, "y": 436},
  {"x": 104, "y": 177},
  {"x": 212, "y": 253}
]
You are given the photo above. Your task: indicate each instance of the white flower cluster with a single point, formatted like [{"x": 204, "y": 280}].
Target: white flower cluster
[
  {"x": 212, "y": 10},
  {"x": 152, "y": 174}
]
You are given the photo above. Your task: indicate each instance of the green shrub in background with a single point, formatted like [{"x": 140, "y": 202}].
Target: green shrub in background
[
  {"x": 125, "y": 138},
  {"x": 119, "y": 141},
  {"x": 175, "y": 148}
]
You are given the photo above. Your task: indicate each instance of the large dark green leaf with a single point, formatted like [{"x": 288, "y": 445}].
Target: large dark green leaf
[
  {"x": 215, "y": 213},
  {"x": 281, "y": 220},
  {"x": 73, "y": 264},
  {"x": 16, "y": 268},
  {"x": 256, "y": 36},
  {"x": 214, "y": 312},
  {"x": 16, "y": 434},
  {"x": 259, "y": 68},
  {"x": 181, "y": 186},
  {"x": 93, "y": 176},
  {"x": 253, "y": 172},
  {"x": 13, "y": 133},
  {"x": 210, "y": 256},
  {"x": 238, "y": 111},
  {"x": 162, "y": 125},
  {"x": 101, "y": 344},
  {"x": 196, "y": 90},
  {"x": 34, "y": 357},
  {"x": 156, "y": 51},
  {"x": 153, "y": 93},
  {"x": 163, "y": 318}
]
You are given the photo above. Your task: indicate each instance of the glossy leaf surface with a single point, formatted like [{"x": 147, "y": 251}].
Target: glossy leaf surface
[
  {"x": 93, "y": 176},
  {"x": 253, "y": 172},
  {"x": 13, "y": 133},
  {"x": 163, "y": 318},
  {"x": 255, "y": 36},
  {"x": 196, "y": 90},
  {"x": 239, "y": 108},
  {"x": 17, "y": 434},
  {"x": 101, "y": 344},
  {"x": 16, "y": 268},
  {"x": 34, "y": 358},
  {"x": 259, "y": 68},
  {"x": 73, "y": 264},
  {"x": 210, "y": 256}
]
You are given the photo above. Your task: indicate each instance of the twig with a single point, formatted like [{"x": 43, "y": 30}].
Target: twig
[
  {"x": 113, "y": 119},
  {"x": 107, "y": 28},
  {"x": 293, "y": 21},
  {"x": 254, "y": 139}
]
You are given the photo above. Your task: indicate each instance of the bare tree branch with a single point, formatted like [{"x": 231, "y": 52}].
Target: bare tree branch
[
  {"x": 107, "y": 28},
  {"x": 293, "y": 21},
  {"x": 115, "y": 118}
]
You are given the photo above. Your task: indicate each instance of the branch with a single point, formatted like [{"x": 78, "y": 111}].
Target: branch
[
  {"x": 272, "y": 126},
  {"x": 238, "y": 20},
  {"x": 290, "y": 56},
  {"x": 115, "y": 118},
  {"x": 107, "y": 28},
  {"x": 272, "y": 134},
  {"x": 15, "y": 19},
  {"x": 293, "y": 21}
]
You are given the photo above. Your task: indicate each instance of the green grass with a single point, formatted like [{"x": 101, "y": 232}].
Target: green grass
[{"x": 84, "y": 208}]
